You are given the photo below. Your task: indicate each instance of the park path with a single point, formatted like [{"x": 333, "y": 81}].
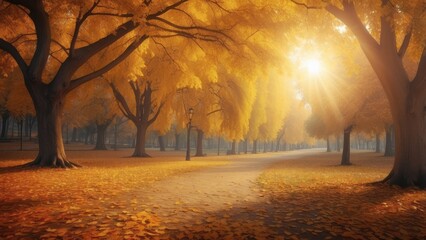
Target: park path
[{"x": 191, "y": 197}]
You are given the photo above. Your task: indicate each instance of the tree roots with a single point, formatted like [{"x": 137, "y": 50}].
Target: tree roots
[
  {"x": 51, "y": 162},
  {"x": 405, "y": 181}
]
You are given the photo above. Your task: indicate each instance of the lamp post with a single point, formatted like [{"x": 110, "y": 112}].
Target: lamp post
[{"x": 190, "y": 113}]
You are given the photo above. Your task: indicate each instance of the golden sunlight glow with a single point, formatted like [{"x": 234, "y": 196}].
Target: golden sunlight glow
[{"x": 312, "y": 65}]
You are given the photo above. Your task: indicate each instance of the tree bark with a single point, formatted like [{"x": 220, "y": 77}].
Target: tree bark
[
  {"x": 346, "y": 146},
  {"x": 49, "y": 122},
  {"x": 254, "y": 146},
  {"x": 100, "y": 136},
  {"x": 140, "y": 141},
  {"x": 233, "y": 148},
  {"x": 161, "y": 143},
  {"x": 177, "y": 142},
  {"x": 378, "y": 143},
  {"x": 74, "y": 134},
  {"x": 390, "y": 141},
  {"x": 407, "y": 98},
  {"x": 338, "y": 143},
  {"x": 5, "y": 124},
  {"x": 245, "y": 146},
  {"x": 200, "y": 135},
  {"x": 328, "y": 145}
]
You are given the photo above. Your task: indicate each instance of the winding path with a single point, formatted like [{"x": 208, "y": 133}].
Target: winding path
[{"x": 196, "y": 195}]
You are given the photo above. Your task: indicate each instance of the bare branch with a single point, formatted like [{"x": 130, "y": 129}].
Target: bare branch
[
  {"x": 78, "y": 22},
  {"x": 192, "y": 28},
  {"x": 215, "y": 111},
  {"x": 123, "y": 15},
  {"x": 61, "y": 46},
  {"x": 6, "y": 46},
  {"x": 166, "y": 9},
  {"x": 305, "y": 5}
]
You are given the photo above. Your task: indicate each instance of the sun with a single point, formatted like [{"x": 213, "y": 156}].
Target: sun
[{"x": 312, "y": 65}]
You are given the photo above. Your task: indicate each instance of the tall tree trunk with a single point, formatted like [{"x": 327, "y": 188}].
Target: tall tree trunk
[
  {"x": 390, "y": 141},
  {"x": 161, "y": 143},
  {"x": 265, "y": 146},
  {"x": 346, "y": 146},
  {"x": 233, "y": 148},
  {"x": 378, "y": 143},
  {"x": 49, "y": 121},
  {"x": 177, "y": 141},
  {"x": 338, "y": 143},
  {"x": 5, "y": 124},
  {"x": 87, "y": 135},
  {"x": 254, "y": 146},
  {"x": 100, "y": 136},
  {"x": 218, "y": 145},
  {"x": 328, "y": 145},
  {"x": 74, "y": 134},
  {"x": 200, "y": 135},
  {"x": 245, "y": 146},
  {"x": 140, "y": 151}
]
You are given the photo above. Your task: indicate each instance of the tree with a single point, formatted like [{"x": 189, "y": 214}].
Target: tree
[
  {"x": 407, "y": 97},
  {"x": 61, "y": 48}
]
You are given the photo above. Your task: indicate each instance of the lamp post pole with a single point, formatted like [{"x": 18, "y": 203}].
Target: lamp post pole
[{"x": 188, "y": 142}]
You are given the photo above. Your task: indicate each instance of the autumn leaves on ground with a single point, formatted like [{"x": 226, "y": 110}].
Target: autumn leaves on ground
[{"x": 290, "y": 195}]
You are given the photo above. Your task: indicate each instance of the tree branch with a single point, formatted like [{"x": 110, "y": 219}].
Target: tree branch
[
  {"x": 78, "y": 22},
  {"x": 77, "y": 82},
  {"x": 405, "y": 42},
  {"x": 166, "y": 9},
  {"x": 124, "y": 107},
  {"x": 156, "y": 114},
  {"x": 215, "y": 111},
  {"x": 420, "y": 78},
  {"x": 9, "y": 48},
  {"x": 305, "y": 5},
  {"x": 192, "y": 27}
]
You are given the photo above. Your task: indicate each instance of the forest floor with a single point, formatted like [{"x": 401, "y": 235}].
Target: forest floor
[{"x": 288, "y": 195}]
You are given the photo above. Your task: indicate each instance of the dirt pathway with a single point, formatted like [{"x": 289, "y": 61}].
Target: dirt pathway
[{"x": 206, "y": 199}]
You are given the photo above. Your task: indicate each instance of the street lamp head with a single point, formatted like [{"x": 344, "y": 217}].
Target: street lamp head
[{"x": 191, "y": 112}]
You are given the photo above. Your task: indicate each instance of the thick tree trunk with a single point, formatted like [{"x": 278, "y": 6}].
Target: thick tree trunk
[
  {"x": 200, "y": 135},
  {"x": 177, "y": 142},
  {"x": 378, "y": 145},
  {"x": 254, "y": 146},
  {"x": 410, "y": 143},
  {"x": 100, "y": 136},
  {"x": 5, "y": 124},
  {"x": 346, "y": 146},
  {"x": 390, "y": 141},
  {"x": 140, "y": 151},
  {"x": 49, "y": 121},
  {"x": 161, "y": 143},
  {"x": 328, "y": 145}
]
